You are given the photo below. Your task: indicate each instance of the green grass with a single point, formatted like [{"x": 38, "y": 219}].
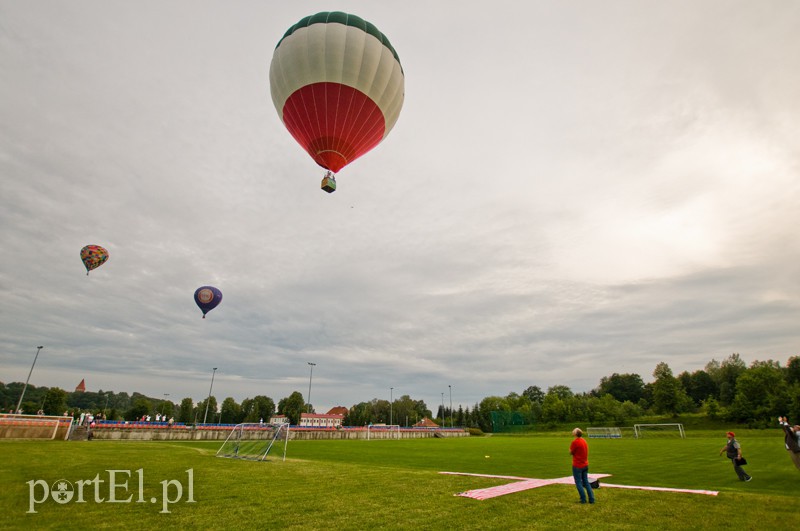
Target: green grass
[{"x": 397, "y": 485}]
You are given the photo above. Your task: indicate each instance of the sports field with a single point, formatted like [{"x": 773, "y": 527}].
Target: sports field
[{"x": 392, "y": 485}]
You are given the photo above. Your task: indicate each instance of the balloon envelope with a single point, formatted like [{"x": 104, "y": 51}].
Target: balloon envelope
[
  {"x": 207, "y": 298},
  {"x": 337, "y": 85},
  {"x": 93, "y": 256}
]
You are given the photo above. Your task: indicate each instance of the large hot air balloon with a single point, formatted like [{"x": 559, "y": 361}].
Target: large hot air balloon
[
  {"x": 338, "y": 87},
  {"x": 93, "y": 256},
  {"x": 207, "y": 298}
]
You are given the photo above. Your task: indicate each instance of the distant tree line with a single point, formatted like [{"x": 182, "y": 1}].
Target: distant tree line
[{"x": 727, "y": 390}]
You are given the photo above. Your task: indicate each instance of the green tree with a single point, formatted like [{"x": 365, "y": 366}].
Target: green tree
[
  {"x": 260, "y": 408},
  {"x": 561, "y": 391},
  {"x": 141, "y": 407},
  {"x": 535, "y": 394},
  {"x": 460, "y": 416},
  {"x": 207, "y": 415},
  {"x": 609, "y": 409},
  {"x": 668, "y": 394},
  {"x": 792, "y": 409},
  {"x": 358, "y": 415},
  {"x": 725, "y": 375},
  {"x": 698, "y": 385},
  {"x": 55, "y": 401},
  {"x": 793, "y": 370},
  {"x": 622, "y": 387},
  {"x": 406, "y": 410},
  {"x": 477, "y": 418},
  {"x": 230, "y": 412},
  {"x": 761, "y": 394},
  {"x": 712, "y": 408},
  {"x": 554, "y": 409},
  {"x": 292, "y": 406},
  {"x": 186, "y": 411},
  {"x": 380, "y": 411},
  {"x": 629, "y": 411},
  {"x": 166, "y": 408}
]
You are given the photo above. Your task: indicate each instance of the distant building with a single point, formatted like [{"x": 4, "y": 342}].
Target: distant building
[
  {"x": 426, "y": 423},
  {"x": 313, "y": 420},
  {"x": 81, "y": 387},
  {"x": 332, "y": 419},
  {"x": 279, "y": 419}
]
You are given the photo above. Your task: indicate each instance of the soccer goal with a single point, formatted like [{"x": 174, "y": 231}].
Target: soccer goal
[
  {"x": 383, "y": 431},
  {"x": 659, "y": 430},
  {"x": 254, "y": 441},
  {"x": 604, "y": 433},
  {"x": 34, "y": 426}
]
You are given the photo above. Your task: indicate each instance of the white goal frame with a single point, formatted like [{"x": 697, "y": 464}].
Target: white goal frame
[
  {"x": 239, "y": 430},
  {"x": 11, "y": 422},
  {"x": 604, "y": 433},
  {"x": 637, "y": 429}
]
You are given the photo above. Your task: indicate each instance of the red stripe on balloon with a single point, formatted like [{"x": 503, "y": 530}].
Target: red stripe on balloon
[{"x": 334, "y": 123}]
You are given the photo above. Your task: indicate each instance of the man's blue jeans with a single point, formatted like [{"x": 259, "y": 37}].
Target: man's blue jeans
[{"x": 581, "y": 476}]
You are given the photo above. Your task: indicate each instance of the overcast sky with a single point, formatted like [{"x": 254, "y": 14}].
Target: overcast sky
[{"x": 573, "y": 189}]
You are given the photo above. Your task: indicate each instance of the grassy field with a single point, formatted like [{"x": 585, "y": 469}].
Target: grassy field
[{"x": 395, "y": 485}]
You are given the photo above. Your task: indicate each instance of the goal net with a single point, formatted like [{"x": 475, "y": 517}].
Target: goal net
[
  {"x": 604, "y": 433},
  {"x": 659, "y": 430},
  {"x": 383, "y": 431},
  {"x": 254, "y": 441},
  {"x": 14, "y": 426}
]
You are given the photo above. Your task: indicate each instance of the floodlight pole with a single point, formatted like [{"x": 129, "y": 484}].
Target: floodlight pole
[
  {"x": 310, "y": 374},
  {"x": 442, "y": 409},
  {"x": 19, "y": 404},
  {"x": 450, "y": 387},
  {"x": 164, "y": 403},
  {"x": 108, "y": 395},
  {"x": 391, "y": 399},
  {"x": 208, "y": 400}
]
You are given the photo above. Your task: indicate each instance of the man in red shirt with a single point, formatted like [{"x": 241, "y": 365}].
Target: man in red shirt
[{"x": 580, "y": 465}]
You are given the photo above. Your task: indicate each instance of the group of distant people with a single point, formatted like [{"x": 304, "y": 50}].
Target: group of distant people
[
  {"x": 579, "y": 450},
  {"x": 159, "y": 418}
]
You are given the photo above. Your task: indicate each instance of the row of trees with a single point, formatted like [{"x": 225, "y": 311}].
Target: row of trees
[{"x": 727, "y": 390}]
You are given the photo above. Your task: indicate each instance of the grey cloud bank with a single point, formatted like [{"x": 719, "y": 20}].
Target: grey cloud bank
[{"x": 579, "y": 190}]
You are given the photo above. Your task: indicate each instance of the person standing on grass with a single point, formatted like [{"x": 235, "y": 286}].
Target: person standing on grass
[
  {"x": 579, "y": 451},
  {"x": 791, "y": 440},
  {"x": 734, "y": 452}
]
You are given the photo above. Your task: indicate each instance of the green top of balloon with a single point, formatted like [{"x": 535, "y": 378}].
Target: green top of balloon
[{"x": 326, "y": 17}]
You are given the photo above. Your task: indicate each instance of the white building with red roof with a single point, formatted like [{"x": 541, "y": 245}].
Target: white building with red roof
[{"x": 331, "y": 419}]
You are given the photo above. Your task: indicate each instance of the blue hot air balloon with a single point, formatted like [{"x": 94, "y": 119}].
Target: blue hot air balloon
[{"x": 207, "y": 298}]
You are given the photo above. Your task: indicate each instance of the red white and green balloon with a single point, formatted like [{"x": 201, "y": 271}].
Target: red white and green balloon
[{"x": 338, "y": 86}]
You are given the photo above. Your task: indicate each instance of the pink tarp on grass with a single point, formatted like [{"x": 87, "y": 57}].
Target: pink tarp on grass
[{"x": 522, "y": 484}]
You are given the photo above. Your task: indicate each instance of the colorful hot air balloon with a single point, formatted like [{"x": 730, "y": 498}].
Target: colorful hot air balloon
[
  {"x": 93, "y": 256},
  {"x": 338, "y": 87},
  {"x": 207, "y": 298}
]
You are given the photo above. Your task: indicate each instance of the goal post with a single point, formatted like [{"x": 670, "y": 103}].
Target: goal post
[
  {"x": 19, "y": 426},
  {"x": 659, "y": 430},
  {"x": 254, "y": 441},
  {"x": 604, "y": 433}
]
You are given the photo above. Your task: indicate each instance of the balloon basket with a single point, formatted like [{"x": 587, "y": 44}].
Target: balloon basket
[{"x": 329, "y": 183}]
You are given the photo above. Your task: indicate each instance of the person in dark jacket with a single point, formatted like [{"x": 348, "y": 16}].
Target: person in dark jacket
[
  {"x": 791, "y": 440},
  {"x": 733, "y": 452}
]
